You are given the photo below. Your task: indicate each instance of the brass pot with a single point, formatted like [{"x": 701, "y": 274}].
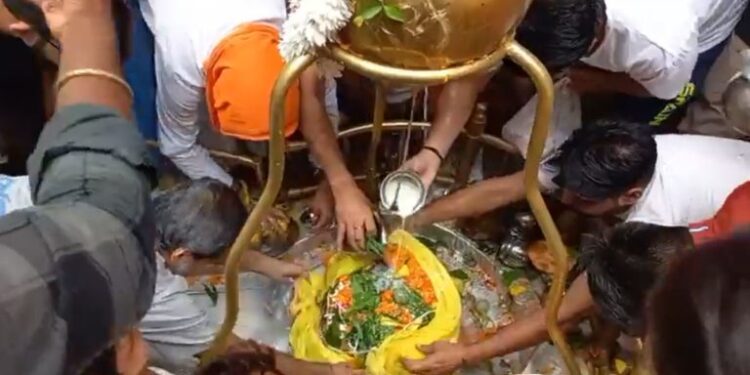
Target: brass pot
[{"x": 434, "y": 34}]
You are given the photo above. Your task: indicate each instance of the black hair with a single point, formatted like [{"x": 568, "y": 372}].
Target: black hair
[
  {"x": 624, "y": 263},
  {"x": 606, "y": 158},
  {"x": 104, "y": 364},
  {"x": 22, "y": 114},
  {"x": 202, "y": 216},
  {"x": 698, "y": 316},
  {"x": 248, "y": 358},
  {"x": 560, "y": 32},
  {"x": 30, "y": 12}
]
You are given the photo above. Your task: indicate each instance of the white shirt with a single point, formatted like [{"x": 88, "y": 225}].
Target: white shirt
[
  {"x": 566, "y": 117},
  {"x": 657, "y": 42},
  {"x": 185, "y": 34},
  {"x": 693, "y": 177},
  {"x": 175, "y": 327},
  {"x": 15, "y": 194}
]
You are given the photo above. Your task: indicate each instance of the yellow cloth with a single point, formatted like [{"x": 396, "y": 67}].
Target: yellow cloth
[
  {"x": 240, "y": 75},
  {"x": 306, "y": 337}
]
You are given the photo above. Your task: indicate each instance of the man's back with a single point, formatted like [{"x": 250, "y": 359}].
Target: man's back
[{"x": 693, "y": 177}]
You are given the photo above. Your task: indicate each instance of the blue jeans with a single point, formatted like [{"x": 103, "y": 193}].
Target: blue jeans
[{"x": 657, "y": 111}]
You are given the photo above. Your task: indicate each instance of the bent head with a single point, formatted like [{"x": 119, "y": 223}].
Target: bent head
[
  {"x": 196, "y": 220},
  {"x": 561, "y": 32},
  {"x": 624, "y": 263},
  {"x": 698, "y": 322},
  {"x": 605, "y": 167}
]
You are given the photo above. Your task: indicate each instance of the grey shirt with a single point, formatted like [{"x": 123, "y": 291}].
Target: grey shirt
[{"x": 77, "y": 269}]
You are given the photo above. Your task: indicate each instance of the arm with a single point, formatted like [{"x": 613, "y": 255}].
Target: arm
[
  {"x": 454, "y": 107},
  {"x": 588, "y": 80},
  {"x": 445, "y": 358},
  {"x": 89, "y": 238},
  {"x": 177, "y": 104},
  {"x": 532, "y": 330},
  {"x": 657, "y": 73},
  {"x": 251, "y": 261},
  {"x": 318, "y": 131},
  {"x": 353, "y": 211},
  {"x": 476, "y": 199}
]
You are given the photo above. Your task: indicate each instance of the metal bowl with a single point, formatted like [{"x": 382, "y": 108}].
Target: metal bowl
[{"x": 434, "y": 34}]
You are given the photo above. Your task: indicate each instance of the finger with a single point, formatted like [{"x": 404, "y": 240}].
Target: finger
[
  {"x": 414, "y": 365},
  {"x": 340, "y": 236},
  {"x": 427, "y": 349},
  {"x": 322, "y": 219},
  {"x": 360, "y": 234},
  {"x": 353, "y": 236},
  {"x": 370, "y": 226}
]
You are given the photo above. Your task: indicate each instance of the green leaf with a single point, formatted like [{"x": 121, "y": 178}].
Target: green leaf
[
  {"x": 333, "y": 334},
  {"x": 394, "y": 13},
  {"x": 374, "y": 246},
  {"x": 511, "y": 275},
  {"x": 459, "y": 274},
  {"x": 212, "y": 292},
  {"x": 366, "y": 297},
  {"x": 371, "y": 12}
]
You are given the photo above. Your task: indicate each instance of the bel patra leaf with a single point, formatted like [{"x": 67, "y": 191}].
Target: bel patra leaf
[{"x": 394, "y": 13}]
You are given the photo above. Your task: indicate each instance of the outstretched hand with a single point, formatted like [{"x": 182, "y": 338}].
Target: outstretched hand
[
  {"x": 442, "y": 357},
  {"x": 354, "y": 217}
]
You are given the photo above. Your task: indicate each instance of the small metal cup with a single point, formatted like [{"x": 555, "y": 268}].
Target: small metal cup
[{"x": 389, "y": 191}]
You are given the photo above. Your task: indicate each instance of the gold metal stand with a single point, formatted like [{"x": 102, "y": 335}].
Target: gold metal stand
[
  {"x": 383, "y": 75},
  {"x": 543, "y": 83},
  {"x": 289, "y": 75}
]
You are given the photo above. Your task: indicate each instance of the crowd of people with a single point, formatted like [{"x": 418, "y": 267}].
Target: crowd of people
[{"x": 94, "y": 258}]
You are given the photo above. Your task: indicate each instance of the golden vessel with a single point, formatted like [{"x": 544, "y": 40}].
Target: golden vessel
[{"x": 430, "y": 34}]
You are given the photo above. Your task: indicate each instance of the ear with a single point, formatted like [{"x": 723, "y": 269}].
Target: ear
[
  {"x": 630, "y": 197},
  {"x": 50, "y": 6},
  {"x": 180, "y": 254}
]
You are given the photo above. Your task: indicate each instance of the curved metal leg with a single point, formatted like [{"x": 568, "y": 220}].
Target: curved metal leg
[
  {"x": 377, "y": 132},
  {"x": 543, "y": 83},
  {"x": 291, "y": 72}
]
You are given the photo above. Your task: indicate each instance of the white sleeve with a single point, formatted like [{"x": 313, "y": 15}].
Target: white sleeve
[
  {"x": 566, "y": 118},
  {"x": 663, "y": 74},
  {"x": 177, "y": 106}
]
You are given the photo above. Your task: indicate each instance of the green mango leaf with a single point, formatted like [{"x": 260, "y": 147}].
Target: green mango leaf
[
  {"x": 368, "y": 13},
  {"x": 394, "y": 13}
]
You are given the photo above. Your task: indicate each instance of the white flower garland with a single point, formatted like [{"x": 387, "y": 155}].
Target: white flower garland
[{"x": 311, "y": 25}]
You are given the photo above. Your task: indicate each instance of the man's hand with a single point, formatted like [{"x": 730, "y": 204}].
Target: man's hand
[
  {"x": 345, "y": 369},
  {"x": 354, "y": 216},
  {"x": 274, "y": 268},
  {"x": 322, "y": 205},
  {"x": 426, "y": 164},
  {"x": 443, "y": 357}
]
